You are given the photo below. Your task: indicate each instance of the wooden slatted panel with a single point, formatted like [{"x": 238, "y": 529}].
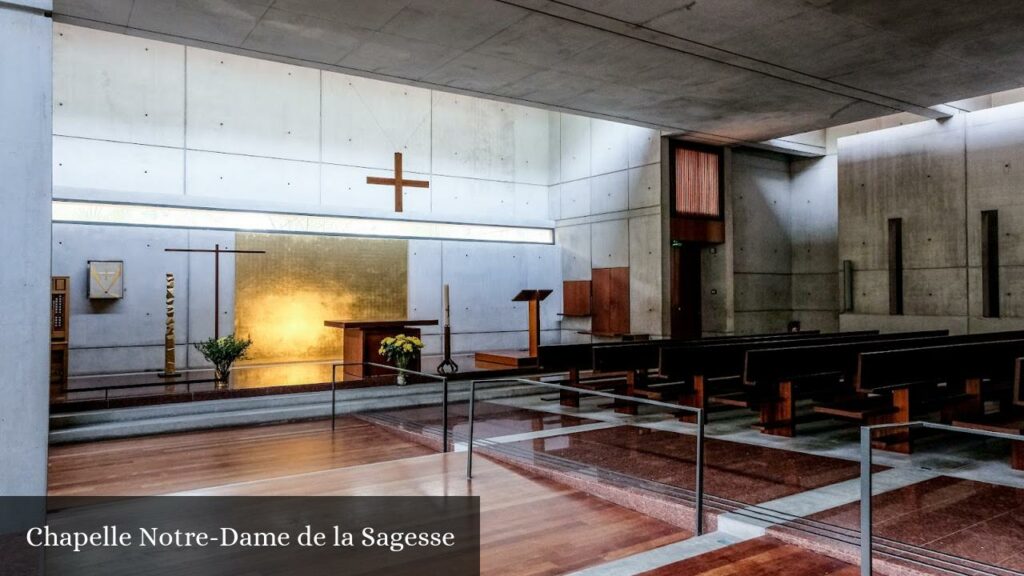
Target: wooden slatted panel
[{"x": 697, "y": 185}]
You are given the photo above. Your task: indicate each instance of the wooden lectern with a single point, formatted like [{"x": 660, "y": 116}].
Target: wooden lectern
[{"x": 519, "y": 358}]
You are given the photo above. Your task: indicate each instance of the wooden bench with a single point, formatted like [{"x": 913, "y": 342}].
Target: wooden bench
[
  {"x": 950, "y": 375},
  {"x": 777, "y": 375},
  {"x": 638, "y": 359},
  {"x": 724, "y": 361},
  {"x": 576, "y": 359}
]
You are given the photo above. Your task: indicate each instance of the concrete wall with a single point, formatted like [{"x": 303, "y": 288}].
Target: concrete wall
[
  {"x": 779, "y": 261},
  {"x": 938, "y": 177},
  {"x": 25, "y": 149},
  {"x": 606, "y": 200},
  {"x": 136, "y": 120}
]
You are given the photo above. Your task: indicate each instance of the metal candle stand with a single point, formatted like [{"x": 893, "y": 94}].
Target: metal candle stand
[{"x": 447, "y": 366}]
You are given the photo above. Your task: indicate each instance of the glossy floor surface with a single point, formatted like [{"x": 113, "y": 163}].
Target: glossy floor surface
[
  {"x": 966, "y": 519},
  {"x": 530, "y": 525},
  {"x": 760, "y": 556},
  {"x": 174, "y": 462}
]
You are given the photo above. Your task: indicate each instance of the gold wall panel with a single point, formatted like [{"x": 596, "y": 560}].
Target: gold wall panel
[{"x": 283, "y": 297}]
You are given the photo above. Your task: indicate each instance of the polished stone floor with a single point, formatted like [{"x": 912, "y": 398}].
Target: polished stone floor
[{"x": 972, "y": 520}]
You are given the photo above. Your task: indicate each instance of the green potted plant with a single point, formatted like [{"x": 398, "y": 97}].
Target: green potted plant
[
  {"x": 222, "y": 353},
  {"x": 400, "y": 350}
]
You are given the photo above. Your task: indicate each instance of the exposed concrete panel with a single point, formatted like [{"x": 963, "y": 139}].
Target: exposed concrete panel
[
  {"x": 871, "y": 291},
  {"x": 366, "y": 121},
  {"x": 717, "y": 296},
  {"x": 609, "y": 192},
  {"x": 816, "y": 292},
  {"x": 487, "y": 276},
  {"x": 531, "y": 202},
  {"x": 245, "y": 178},
  {"x": 763, "y": 292},
  {"x": 609, "y": 147},
  {"x": 610, "y": 243},
  {"x": 935, "y": 292},
  {"x": 469, "y": 197},
  {"x": 555, "y": 202},
  {"x": 116, "y": 87},
  {"x": 473, "y": 137},
  {"x": 575, "y": 198},
  {"x": 645, "y": 275},
  {"x": 322, "y": 40},
  {"x": 532, "y": 141},
  {"x": 762, "y": 322},
  {"x": 575, "y": 146},
  {"x": 645, "y": 186},
  {"x": 575, "y": 246},
  {"x": 814, "y": 320},
  {"x": 224, "y": 116},
  {"x": 544, "y": 272},
  {"x": 644, "y": 146},
  {"x": 118, "y": 167},
  {"x": 761, "y": 212},
  {"x": 26, "y": 146}
]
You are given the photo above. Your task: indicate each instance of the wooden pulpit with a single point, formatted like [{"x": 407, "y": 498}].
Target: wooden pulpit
[
  {"x": 519, "y": 358},
  {"x": 534, "y": 297}
]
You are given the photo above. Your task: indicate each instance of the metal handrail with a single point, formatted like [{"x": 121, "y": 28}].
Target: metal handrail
[
  {"x": 699, "y": 481},
  {"x": 866, "y": 537},
  {"x": 442, "y": 379}
]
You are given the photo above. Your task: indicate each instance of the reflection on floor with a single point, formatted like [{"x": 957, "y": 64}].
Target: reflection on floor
[
  {"x": 162, "y": 464},
  {"x": 529, "y": 525},
  {"x": 760, "y": 556},
  {"x": 972, "y": 520}
]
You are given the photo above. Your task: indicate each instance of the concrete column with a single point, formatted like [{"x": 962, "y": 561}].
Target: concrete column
[{"x": 25, "y": 190}]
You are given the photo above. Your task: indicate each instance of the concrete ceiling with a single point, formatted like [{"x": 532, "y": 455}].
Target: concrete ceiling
[{"x": 719, "y": 70}]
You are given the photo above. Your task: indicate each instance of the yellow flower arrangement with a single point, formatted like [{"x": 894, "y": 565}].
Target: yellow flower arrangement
[{"x": 400, "y": 349}]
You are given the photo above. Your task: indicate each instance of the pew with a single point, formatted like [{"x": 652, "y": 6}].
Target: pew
[
  {"x": 1012, "y": 423},
  {"x": 775, "y": 373},
  {"x": 577, "y": 358},
  {"x": 721, "y": 362},
  {"x": 574, "y": 359},
  {"x": 637, "y": 359},
  {"x": 949, "y": 374}
]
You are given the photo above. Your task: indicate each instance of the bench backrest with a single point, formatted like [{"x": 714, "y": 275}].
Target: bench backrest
[
  {"x": 622, "y": 357},
  {"x": 728, "y": 360},
  {"x": 559, "y": 357},
  {"x": 952, "y": 362},
  {"x": 781, "y": 363}
]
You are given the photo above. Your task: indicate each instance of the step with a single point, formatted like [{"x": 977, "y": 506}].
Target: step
[{"x": 127, "y": 422}]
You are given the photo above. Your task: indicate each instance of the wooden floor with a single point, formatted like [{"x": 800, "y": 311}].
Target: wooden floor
[
  {"x": 530, "y": 525},
  {"x": 758, "y": 557},
  {"x": 176, "y": 462}
]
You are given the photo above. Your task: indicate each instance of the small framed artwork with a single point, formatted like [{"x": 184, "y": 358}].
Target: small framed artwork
[{"x": 106, "y": 279}]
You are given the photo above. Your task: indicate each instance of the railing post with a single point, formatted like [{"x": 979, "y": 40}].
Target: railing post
[
  {"x": 469, "y": 447},
  {"x": 865, "y": 501},
  {"x": 334, "y": 385},
  {"x": 699, "y": 489},
  {"x": 444, "y": 415}
]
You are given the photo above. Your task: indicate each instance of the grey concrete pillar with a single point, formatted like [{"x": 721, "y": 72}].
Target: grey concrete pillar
[{"x": 26, "y": 144}]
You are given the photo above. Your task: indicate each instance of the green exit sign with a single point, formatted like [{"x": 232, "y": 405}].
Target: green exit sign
[{"x": 677, "y": 243}]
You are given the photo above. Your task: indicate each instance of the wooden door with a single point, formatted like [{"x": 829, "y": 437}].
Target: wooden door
[{"x": 686, "y": 288}]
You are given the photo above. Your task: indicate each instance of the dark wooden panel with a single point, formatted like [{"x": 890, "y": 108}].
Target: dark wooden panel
[
  {"x": 610, "y": 308},
  {"x": 697, "y": 230},
  {"x": 576, "y": 298},
  {"x": 686, "y": 291},
  {"x": 896, "y": 266},
  {"x": 990, "y": 263}
]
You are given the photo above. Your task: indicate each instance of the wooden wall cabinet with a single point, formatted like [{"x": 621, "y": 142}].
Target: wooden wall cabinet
[
  {"x": 576, "y": 298},
  {"x": 610, "y": 306}
]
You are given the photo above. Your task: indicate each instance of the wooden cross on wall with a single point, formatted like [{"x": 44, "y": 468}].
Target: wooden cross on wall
[{"x": 398, "y": 182}]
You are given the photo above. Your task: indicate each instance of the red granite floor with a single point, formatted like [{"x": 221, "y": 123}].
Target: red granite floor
[
  {"x": 490, "y": 420},
  {"x": 972, "y": 520},
  {"x": 740, "y": 472}
]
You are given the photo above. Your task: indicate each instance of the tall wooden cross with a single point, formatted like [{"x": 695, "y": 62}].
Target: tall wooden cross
[
  {"x": 398, "y": 182},
  {"x": 217, "y": 251}
]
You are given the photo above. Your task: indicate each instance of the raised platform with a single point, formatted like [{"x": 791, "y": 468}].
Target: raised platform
[
  {"x": 96, "y": 392},
  {"x": 509, "y": 358}
]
